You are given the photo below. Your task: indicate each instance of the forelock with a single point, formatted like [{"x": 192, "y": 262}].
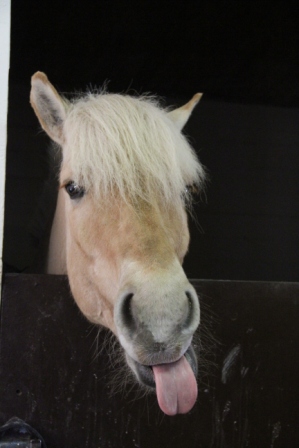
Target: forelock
[{"x": 118, "y": 144}]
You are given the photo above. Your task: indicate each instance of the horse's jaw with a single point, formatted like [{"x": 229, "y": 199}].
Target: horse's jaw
[{"x": 174, "y": 382}]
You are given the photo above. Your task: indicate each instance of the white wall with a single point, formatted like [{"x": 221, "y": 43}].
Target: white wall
[{"x": 4, "y": 71}]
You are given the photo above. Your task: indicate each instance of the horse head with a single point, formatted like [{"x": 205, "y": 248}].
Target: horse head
[{"x": 123, "y": 195}]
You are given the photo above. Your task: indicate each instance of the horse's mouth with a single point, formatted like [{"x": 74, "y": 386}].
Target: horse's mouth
[{"x": 145, "y": 373}]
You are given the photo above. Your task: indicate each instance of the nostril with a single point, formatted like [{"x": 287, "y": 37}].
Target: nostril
[
  {"x": 126, "y": 311},
  {"x": 191, "y": 310}
]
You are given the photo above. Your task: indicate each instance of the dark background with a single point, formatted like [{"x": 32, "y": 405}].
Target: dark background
[{"x": 244, "y": 56}]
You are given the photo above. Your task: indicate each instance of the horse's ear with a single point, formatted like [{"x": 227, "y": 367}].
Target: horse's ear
[
  {"x": 181, "y": 115},
  {"x": 48, "y": 106}
]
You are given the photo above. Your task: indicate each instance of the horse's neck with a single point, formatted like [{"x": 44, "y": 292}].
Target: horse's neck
[{"x": 56, "y": 257}]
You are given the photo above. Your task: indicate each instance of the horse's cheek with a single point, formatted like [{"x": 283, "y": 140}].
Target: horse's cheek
[
  {"x": 90, "y": 292},
  {"x": 83, "y": 227}
]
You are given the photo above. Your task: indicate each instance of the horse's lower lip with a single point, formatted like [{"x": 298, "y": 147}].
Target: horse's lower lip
[{"x": 145, "y": 373}]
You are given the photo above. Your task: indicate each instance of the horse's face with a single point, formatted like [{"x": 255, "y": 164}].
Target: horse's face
[
  {"x": 124, "y": 267},
  {"x": 113, "y": 249}
]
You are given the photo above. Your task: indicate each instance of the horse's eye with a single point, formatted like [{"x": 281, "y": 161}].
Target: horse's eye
[
  {"x": 191, "y": 189},
  {"x": 74, "y": 190}
]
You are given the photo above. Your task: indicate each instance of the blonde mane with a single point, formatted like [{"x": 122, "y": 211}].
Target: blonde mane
[{"x": 118, "y": 144}]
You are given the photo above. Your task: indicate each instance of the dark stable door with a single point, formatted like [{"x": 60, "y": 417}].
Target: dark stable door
[{"x": 59, "y": 374}]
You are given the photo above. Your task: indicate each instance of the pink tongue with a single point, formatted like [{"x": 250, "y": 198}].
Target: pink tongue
[{"x": 176, "y": 387}]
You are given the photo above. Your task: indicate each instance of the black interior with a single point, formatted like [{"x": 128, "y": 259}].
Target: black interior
[{"x": 244, "y": 56}]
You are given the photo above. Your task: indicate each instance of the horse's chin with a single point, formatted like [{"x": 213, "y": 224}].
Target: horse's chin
[{"x": 145, "y": 374}]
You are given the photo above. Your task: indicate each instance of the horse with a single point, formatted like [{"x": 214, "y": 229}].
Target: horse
[{"x": 120, "y": 230}]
